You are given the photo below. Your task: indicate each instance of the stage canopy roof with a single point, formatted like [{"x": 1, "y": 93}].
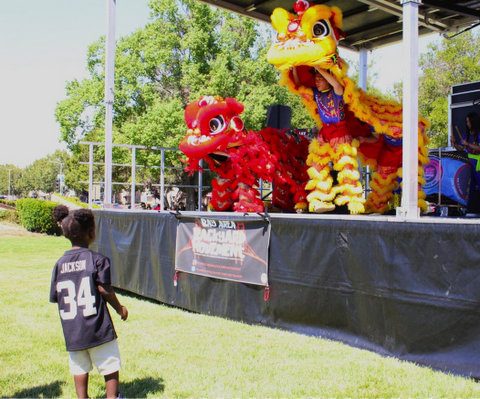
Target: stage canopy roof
[{"x": 373, "y": 23}]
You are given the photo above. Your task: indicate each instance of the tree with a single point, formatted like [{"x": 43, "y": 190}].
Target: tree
[
  {"x": 42, "y": 173},
  {"x": 9, "y": 176},
  {"x": 188, "y": 49},
  {"x": 449, "y": 62}
]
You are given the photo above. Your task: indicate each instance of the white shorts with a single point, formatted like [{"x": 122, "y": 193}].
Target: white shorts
[{"x": 106, "y": 357}]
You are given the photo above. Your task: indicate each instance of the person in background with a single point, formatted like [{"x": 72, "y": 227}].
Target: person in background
[
  {"x": 333, "y": 147},
  {"x": 470, "y": 143},
  {"x": 81, "y": 286}
]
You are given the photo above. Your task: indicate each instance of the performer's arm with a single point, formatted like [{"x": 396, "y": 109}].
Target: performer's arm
[
  {"x": 337, "y": 87},
  {"x": 453, "y": 141},
  {"x": 295, "y": 77},
  {"x": 373, "y": 138},
  {"x": 472, "y": 147}
]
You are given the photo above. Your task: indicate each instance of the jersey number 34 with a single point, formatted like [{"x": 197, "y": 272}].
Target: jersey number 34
[{"x": 74, "y": 300}]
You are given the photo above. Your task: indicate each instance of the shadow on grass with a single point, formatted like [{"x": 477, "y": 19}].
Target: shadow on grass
[
  {"x": 141, "y": 387},
  {"x": 53, "y": 390}
]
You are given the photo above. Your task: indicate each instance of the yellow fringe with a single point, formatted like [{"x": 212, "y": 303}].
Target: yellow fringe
[
  {"x": 343, "y": 161},
  {"x": 346, "y": 149},
  {"x": 320, "y": 196},
  {"x": 301, "y": 205},
  {"x": 317, "y": 159},
  {"x": 383, "y": 180},
  {"x": 356, "y": 206},
  {"x": 350, "y": 174},
  {"x": 316, "y": 148},
  {"x": 349, "y": 189},
  {"x": 422, "y": 204},
  {"x": 381, "y": 190},
  {"x": 311, "y": 184},
  {"x": 325, "y": 185},
  {"x": 372, "y": 208},
  {"x": 313, "y": 173},
  {"x": 378, "y": 199}
]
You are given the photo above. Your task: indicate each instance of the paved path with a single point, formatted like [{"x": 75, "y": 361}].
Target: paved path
[{"x": 60, "y": 200}]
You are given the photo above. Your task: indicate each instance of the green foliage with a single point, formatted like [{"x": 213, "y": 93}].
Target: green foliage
[
  {"x": 36, "y": 215},
  {"x": 448, "y": 62},
  {"x": 9, "y": 203},
  {"x": 187, "y": 50},
  {"x": 42, "y": 173},
  {"x": 9, "y": 215},
  {"x": 10, "y": 176}
]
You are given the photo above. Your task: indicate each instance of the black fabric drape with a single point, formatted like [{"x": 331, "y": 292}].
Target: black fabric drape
[{"x": 409, "y": 290}]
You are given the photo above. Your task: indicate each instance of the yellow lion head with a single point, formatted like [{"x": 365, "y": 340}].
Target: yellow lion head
[{"x": 307, "y": 38}]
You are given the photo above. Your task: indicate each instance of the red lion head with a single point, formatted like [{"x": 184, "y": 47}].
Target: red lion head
[{"x": 213, "y": 125}]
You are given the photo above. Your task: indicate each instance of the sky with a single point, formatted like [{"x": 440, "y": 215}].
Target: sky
[{"x": 43, "y": 44}]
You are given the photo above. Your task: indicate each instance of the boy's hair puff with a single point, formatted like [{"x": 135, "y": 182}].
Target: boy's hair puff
[{"x": 75, "y": 224}]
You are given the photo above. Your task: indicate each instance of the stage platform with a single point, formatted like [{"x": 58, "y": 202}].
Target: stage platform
[{"x": 408, "y": 289}]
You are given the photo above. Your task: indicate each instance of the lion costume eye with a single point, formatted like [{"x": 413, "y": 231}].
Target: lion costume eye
[
  {"x": 321, "y": 29},
  {"x": 217, "y": 124},
  {"x": 237, "y": 124}
]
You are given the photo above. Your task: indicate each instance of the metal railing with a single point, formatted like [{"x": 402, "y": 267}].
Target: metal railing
[
  {"x": 133, "y": 184},
  {"x": 264, "y": 191}
]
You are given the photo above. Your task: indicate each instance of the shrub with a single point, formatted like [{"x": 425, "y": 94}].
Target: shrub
[
  {"x": 8, "y": 203},
  {"x": 9, "y": 215},
  {"x": 36, "y": 215}
]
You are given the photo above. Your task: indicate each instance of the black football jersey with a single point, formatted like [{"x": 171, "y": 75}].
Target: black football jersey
[{"x": 85, "y": 319}]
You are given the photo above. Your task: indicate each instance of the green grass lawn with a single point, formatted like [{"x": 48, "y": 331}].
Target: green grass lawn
[{"x": 168, "y": 352}]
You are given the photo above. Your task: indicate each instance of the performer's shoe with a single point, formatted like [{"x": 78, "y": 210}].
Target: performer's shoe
[{"x": 316, "y": 206}]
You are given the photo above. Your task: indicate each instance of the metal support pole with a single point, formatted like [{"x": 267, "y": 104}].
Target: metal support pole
[
  {"x": 450, "y": 122},
  {"x": 362, "y": 69},
  {"x": 409, "y": 207},
  {"x": 162, "y": 180},
  {"x": 9, "y": 184},
  {"x": 133, "y": 188},
  {"x": 109, "y": 97},
  {"x": 200, "y": 187},
  {"x": 362, "y": 82},
  {"x": 90, "y": 175},
  {"x": 61, "y": 178}
]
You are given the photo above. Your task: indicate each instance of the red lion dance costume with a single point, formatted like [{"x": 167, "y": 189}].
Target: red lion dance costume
[
  {"x": 216, "y": 134},
  {"x": 307, "y": 40}
]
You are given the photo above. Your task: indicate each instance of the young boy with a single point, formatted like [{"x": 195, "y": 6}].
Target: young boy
[{"x": 81, "y": 287}]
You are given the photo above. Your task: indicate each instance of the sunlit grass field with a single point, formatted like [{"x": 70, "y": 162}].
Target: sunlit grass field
[{"x": 167, "y": 352}]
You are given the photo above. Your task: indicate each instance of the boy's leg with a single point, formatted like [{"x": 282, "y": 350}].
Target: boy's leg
[
  {"x": 107, "y": 359},
  {"x": 81, "y": 385},
  {"x": 111, "y": 385}
]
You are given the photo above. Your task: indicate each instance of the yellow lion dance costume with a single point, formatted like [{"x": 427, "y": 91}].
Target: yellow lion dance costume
[{"x": 309, "y": 40}]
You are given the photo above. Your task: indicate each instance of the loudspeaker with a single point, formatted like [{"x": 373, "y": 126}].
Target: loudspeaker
[{"x": 279, "y": 116}]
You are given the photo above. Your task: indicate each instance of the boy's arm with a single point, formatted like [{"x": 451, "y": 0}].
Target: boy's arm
[
  {"x": 109, "y": 295},
  {"x": 337, "y": 87}
]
